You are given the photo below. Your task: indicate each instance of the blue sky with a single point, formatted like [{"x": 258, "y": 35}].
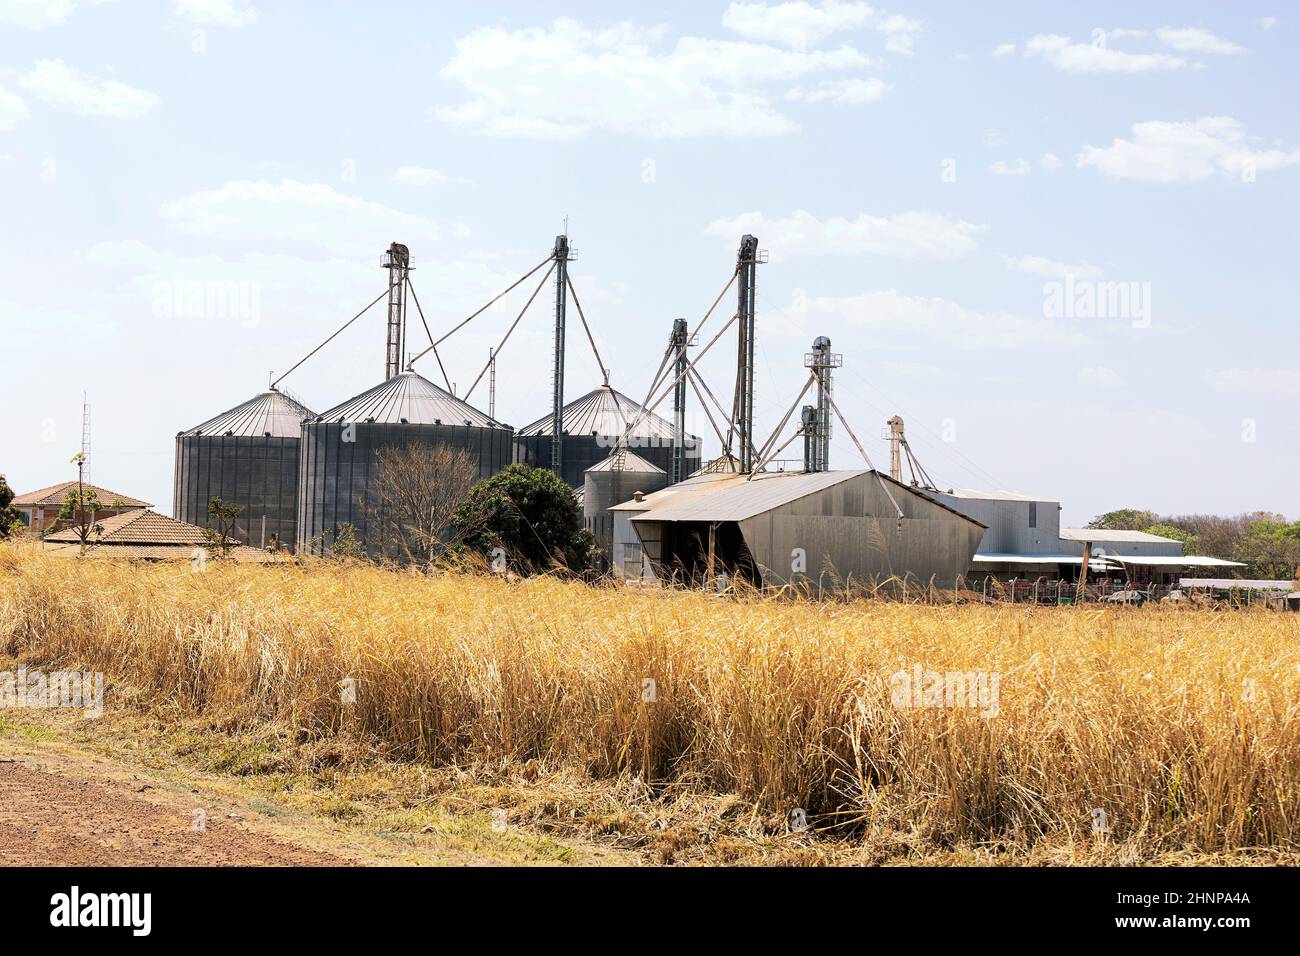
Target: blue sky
[{"x": 924, "y": 177}]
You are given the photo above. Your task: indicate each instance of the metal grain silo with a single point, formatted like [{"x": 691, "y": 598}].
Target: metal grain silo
[
  {"x": 247, "y": 456},
  {"x": 613, "y": 481},
  {"x": 592, "y": 426},
  {"x": 340, "y": 449}
]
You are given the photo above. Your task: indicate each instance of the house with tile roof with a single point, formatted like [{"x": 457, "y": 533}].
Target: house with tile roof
[
  {"x": 39, "y": 509},
  {"x": 144, "y": 534}
]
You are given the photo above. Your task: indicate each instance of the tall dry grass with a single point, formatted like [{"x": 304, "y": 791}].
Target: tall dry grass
[{"x": 1181, "y": 725}]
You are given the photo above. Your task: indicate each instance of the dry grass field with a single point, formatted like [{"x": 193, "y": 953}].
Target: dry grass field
[{"x": 1118, "y": 734}]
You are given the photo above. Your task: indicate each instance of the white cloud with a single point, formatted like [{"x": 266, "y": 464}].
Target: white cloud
[
  {"x": 1071, "y": 57},
  {"x": 847, "y": 91},
  {"x": 222, "y": 13},
  {"x": 797, "y": 25},
  {"x": 1196, "y": 40},
  {"x": 1019, "y": 167},
  {"x": 1100, "y": 378},
  {"x": 1269, "y": 383},
  {"x": 907, "y": 235},
  {"x": 308, "y": 213},
  {"x": 1170, "y": 152},
  {"x": 422, "y": 176},
  {"x": 903, "y": 321},
  {"x": 1004, "y": 49},
  {"x": 65, "y": 87},
  {"x": 1266, "y": 23},
  {"x": 900, "y": 33},
  {"x": 12, "y": 110},
  {"x": 36, "y": 14},
  {"x": 1050, "y": 269},
  {"x": 800, "y": 25},
  {"x": 563, "y": 81},
  {"x": 1050, "y": 161}
]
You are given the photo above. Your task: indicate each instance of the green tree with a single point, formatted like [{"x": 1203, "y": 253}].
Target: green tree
[
  {"x": 10, "y": 523},
  {"x": 1125, "y": 519},
  {"x": 528, "y": 513},
  {"x": 219, "y": 543},
  {"x": 1190, "y": 544},
  {"x": 1271, "y": 548}
]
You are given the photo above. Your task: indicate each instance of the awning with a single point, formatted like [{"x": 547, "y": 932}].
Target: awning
[
  {"x": 1174, "y": 561},
  {"x": 1096, "y": 564}
]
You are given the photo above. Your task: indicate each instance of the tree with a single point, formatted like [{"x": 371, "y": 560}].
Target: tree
[
  {"x": 414, "y": 497},
  {"x": 529, "y": 513},
  {"x": 1125, "y": 519},
  {"x": 1188, "y": 539},
  {"x": 1271, "y": 547},
  {"x": 219, "y": 542},
  {"x": 10, "y": 522},
  {"x": 80, "y": 505}
]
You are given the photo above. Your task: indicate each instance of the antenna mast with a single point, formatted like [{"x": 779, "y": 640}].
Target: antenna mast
[
  {"x": 397, "y": 260},
  {"x": 85, "y": 433}
]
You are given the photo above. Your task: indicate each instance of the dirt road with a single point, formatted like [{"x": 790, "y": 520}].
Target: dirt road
[{"x": 58, "y": 810}]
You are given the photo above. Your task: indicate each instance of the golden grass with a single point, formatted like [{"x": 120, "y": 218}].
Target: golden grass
[{"x": 1182, "y": 725}]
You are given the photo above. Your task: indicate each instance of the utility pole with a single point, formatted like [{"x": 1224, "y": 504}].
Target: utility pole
[
  {"x": 397, "y": 260},
  {"x": 746, "y": 272},
  {"x": 679, "y": 341},
  {"x": 562, "y": 256}
]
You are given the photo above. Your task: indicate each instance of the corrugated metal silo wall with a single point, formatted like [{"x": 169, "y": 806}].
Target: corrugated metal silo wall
[
  {"x": 853, "y": 529},
  {"x": 258, "y": 473},
  {"x": 335, "y": 475},
  {"x": 603, "y": 489},
  {"x": 583, "y": 451}
]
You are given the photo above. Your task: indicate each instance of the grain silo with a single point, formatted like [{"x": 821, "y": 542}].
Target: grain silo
[
  {"x": 616, "y": 479},
  {"x": 247, "y": 456},
  {"x": 592, "y": 427},
  {"x": 340, "y": 449}
]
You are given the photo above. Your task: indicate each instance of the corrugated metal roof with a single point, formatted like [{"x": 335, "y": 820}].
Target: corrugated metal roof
[
  {"x": 411, "y": 399},
  {"x": 626, "y": 460},
  {"x": 1174, "y": 560},
  {"x": 143, "y": 527},
  {"x": 603, "y": 411},
  {"x": 1102, "y": 535},
  {"x": 733, "y": 498},
  {"x": 994, "y": 495},
  {"x": 272, "y": 413},
  {"x": 54, "y": 495},
  {"x": 1225, "y": 583}
]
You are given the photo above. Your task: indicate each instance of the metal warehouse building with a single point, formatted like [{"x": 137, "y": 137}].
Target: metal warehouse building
[
  {"x": 247, "y": 456},
  {"x": 776, "y": 528}
]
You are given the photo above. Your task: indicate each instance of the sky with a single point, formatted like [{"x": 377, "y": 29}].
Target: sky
[{"x": 1058, "y": 239}]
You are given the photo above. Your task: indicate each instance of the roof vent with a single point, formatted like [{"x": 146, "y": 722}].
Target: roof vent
[
  {"x": 404, "y": 421},
  {"x": 638, "y": 496},
  {"x": 228, "y": 434}
]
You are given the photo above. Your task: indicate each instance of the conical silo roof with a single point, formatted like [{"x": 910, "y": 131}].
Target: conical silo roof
[
  {"x": 603, "y": 411},
  {"x": 408, "y": 399},
  {"x": 272, "y": 414},
  {"x": 628, "y": 462}
]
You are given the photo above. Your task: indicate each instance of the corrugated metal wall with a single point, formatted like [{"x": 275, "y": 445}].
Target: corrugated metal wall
[
  {"x": 335, "y": 475},
  {"x": 258, "y": 473}
]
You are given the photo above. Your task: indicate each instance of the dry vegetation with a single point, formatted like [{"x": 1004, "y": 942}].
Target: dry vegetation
[{"x": 1182, "y": 725}]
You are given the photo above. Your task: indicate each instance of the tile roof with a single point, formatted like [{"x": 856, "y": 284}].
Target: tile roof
[
  {"x": 54, "y": 495},
  {"x": 143, "y": 527}
]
